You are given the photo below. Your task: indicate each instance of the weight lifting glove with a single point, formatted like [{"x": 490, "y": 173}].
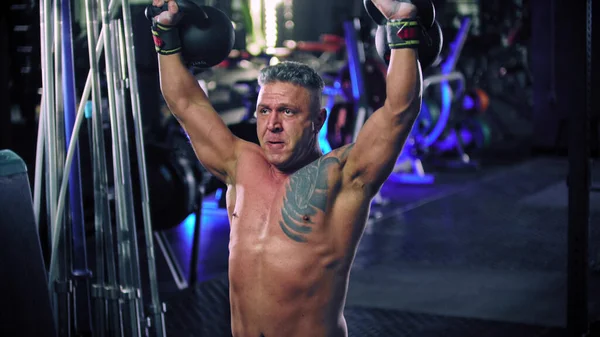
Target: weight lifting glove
[
  {"x": 166, "y": 38},
  {"x": 403, "y": 33}
]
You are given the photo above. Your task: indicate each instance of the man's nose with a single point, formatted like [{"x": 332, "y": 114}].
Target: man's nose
[{"x": 274, "y": 123}]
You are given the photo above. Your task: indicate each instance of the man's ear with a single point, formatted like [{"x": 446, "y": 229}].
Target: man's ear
[{"x": 320, "y": 120}]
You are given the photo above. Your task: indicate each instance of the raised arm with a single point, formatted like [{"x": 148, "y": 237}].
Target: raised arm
[
  {"x": 214, "y": 144},
  {"x": 380, "y": 140}
]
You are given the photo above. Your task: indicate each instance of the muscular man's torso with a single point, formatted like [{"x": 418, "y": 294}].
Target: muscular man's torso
[{"x": 292, "y": 243}]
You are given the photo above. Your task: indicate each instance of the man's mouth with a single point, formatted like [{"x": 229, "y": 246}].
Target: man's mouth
[{"x": 275, "y": 145}]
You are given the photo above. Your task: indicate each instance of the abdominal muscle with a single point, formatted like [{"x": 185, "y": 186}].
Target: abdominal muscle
[{"x": 279, "y": 287}]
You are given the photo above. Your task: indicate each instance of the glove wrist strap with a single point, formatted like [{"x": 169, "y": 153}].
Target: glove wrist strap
[
  {"x": 403, "y": 33},
  {"x": 166, "y": 39}
]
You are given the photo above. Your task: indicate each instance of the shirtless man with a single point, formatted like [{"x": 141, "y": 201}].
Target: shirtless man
[{"x": 296, "y": 215}]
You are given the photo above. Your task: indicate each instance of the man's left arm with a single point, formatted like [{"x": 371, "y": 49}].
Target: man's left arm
[{"x": 380, "y": 140}]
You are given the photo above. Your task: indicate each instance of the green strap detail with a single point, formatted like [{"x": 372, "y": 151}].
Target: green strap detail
[
  {"x": 403, "y": 23},
  {"x": 405, "y": 33},
  {"x": 403, "y": 44}
]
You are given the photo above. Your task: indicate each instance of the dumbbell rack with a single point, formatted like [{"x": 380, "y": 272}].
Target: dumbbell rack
[{"x": 116, "y": 294}]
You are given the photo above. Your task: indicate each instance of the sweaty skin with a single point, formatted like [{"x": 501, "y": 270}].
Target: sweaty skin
[{"x": 296, "y": 215}]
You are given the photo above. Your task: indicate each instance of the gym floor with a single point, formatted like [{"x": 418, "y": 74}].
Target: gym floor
[{"x": 478, "y": 253}]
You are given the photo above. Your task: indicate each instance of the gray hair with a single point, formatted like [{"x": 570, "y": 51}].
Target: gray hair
[{"x": 296, "y": 73}]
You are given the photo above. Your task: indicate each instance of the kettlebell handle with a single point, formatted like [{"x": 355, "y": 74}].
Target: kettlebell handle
[{"x": 187, "y": 7}]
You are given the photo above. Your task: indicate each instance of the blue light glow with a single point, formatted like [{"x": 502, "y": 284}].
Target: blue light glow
[
  {"x": 468, "y": 103},
  {"x": 213, "y": 218},
  {"x": 412, "y": 178},
  {"x": 323, "y": 142}
]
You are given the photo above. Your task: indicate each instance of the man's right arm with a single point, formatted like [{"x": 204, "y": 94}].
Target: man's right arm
[{"x": 214, "y": 144}]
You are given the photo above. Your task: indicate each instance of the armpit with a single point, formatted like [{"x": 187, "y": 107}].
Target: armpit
[{"x": 341, "y": 153}]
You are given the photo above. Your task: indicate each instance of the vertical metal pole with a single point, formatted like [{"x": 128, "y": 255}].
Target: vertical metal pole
[
  {"x": 114, "y": 325},
  {"x": 46, "y": 25},
  {"x": 579, "y": 199},
  {"x": 356, "y": 58},
  {"x": 48, "y": 106},
  {"x": 60, "y": 271},
  {"x": 196, "y": 238},
  {"x": 80, "y": 272},
  {"x": 156, "y": 309},
  {"x": 104, "y": 230},
  {"x": 121, "y": 82},
  {"x": 41, "y": 159},
  {"x": 101, "y": 205},
  {"x": 129, "y": 295},
  {"x": 39, "y": 163}
]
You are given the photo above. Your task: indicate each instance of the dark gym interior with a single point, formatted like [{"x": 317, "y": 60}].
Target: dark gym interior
[{"x": 488, "y": 226}]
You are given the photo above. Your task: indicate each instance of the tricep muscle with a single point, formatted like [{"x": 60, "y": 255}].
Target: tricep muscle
[{"x": 378, "y": 146}]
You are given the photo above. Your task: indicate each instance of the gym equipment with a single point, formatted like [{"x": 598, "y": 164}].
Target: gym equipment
[
  {"x": 428, "y": 117},
  {"x": 185, "y": 181},
  {"x": 116, "y": 291},
  {"x": 429, "y": 48},
  {"x": 355, "y": 93},
  {"x": 175, "y": 175},
  {"x": 374, "y": 74},
  {"x": 425, "y": 9},
  {"x": 476, "y": 101},
  {"x": 341, "y": 119},
  {"x": 207, "y": 34},
  {"x": 340, "y": 125},
  {"x": 27, "y": 310},
  {"x": 472, "y": 132}
]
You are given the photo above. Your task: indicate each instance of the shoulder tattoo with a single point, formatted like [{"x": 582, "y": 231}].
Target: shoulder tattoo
[{"x": 306, "y": 194}]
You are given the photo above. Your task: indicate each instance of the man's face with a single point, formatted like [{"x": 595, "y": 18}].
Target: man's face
[{"x": 283, "y": 121}]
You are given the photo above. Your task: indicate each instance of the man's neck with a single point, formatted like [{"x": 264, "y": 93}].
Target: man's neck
[{"x": 286, "y": 170}]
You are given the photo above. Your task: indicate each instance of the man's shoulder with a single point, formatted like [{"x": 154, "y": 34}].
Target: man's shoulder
[
  {"x": 250, "y": 151},
  {"x": 324, "y": 168},
  {"x": 250, "y": 158},
  {"x": 340, "y": 154}
]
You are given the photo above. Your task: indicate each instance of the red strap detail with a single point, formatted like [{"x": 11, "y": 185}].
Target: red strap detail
[
  {"x": 158, "y": 41},
  {"x": 408, "y": 33}
]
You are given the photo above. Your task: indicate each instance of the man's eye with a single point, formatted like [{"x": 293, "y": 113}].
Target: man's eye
[
  {"x": 288, "y": 112},
  {"x": 264, "y": 111}
]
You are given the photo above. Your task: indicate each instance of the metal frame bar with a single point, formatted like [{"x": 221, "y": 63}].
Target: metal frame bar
[{"x": 579, "y": 181}]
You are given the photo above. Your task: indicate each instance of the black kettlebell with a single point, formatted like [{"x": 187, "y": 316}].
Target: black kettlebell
[
  {"x": 207, "y": 34},
  {"x": 430, "y": 45}
]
